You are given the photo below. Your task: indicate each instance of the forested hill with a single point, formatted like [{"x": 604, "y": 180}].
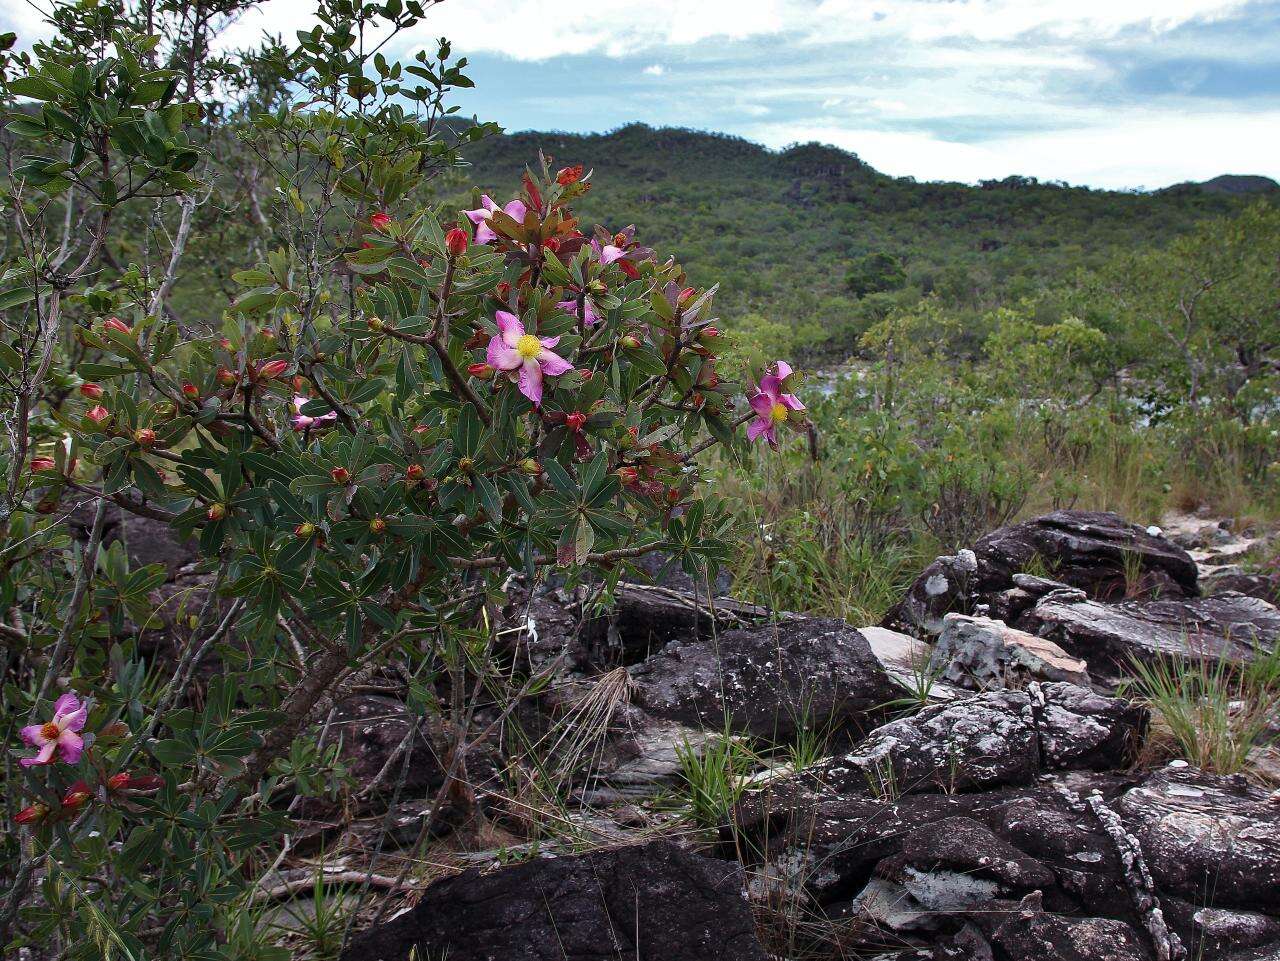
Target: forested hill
[{"x": 783, "y": 230}]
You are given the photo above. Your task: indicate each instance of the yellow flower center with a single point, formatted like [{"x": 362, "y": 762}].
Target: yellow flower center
[
  {"x": 50, "y": 731},
  {"x": 779, "y": 413},
  {"x": 529, "y": 347}
]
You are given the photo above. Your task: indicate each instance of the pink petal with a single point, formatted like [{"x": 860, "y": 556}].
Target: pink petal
[
  {"x": 762, "y": 404},
  {"x": 509, "y": 327},
  {"x": 549, "y": 342},
  {"x": 484, "y": 233},
  {"x": 756, "y": 428},
  {"x": 66, "y": 704},
  {"x": 75, "y": 720},
  {"x": 71, "y": 746},
  {"x": 516, "y": 211},
  {"x": 531, "y": 381},
  {"x": 611, "y": 253},
  {"x": 301, "y": 421},
  {"x": 501, "y": 356},
  {"x": 769, "y": 384},
  {"x": 791, "y": 401},
  {"x": 553, "y": 364},
  {"x": 481, "y": 213},
  {"x": 31, "y": 735},
  {"x": 782, "y": 370},
  {"x": 44, "y": 757}
]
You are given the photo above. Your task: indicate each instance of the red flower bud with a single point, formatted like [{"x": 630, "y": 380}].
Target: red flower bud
[
  {"x": 305, "y": 530},
  {"x": 144, "y": 437},
  {"x": 374, "y": 323},
  {"x": 216, "y": 512},
  {"x": 377, "y": 525},
  {"x": 575, "y": 421},
  {"x": 39, "y": 464},
  {"x": 340, "y": 475},
  {"x": 530, "y": 466},
  {"x": 708, "y": 333},
  {"x": 124, "y": 781},
  {"x": 552, "y": 244},
  {"x": 480, "y": 371},
  {"x": 628, "y": 475},
  {"x": 76, "y": 795},
  {"x": 190, "y": 390},
  {"x": 414, "y": 472},
  {"x": 118, "y": 325},
  {"x": 92, "y": 391},
  {"x": 503, "y": 291},
  {"x": 569, "y": 175},
  {"x": 619, "y": 240},
  {"x": 456, "y": 242},
  {"x": 29, "y": 815},
  {"x": 225, "y": 343},
  {"x": 686, "y": 295},
  {"x": 586, "y": 373},
  {"x": 380, "y": 221},
  {"x": 630, "y": 341},
  {"x": 271, "y": 369},
  {"x": 225, "y": 377},
  {"x": 673, "y": 495},
  {"x": 97, "y": 414}
]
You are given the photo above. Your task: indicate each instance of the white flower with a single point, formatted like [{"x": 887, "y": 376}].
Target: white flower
[{"x": 935, "y": 585}]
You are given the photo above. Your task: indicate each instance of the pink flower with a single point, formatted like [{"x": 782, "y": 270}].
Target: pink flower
[
  {"x": 524, "y": 356},
  {"x": 59, "y": 734},
  {"x": 301, "y": 421},
  {"x": 588, "y": 315},
  {"x": 480, "y": 217},
  {"x": 772, "y": 405}
]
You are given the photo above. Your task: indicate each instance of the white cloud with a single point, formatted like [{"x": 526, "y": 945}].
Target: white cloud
[
  {"x": 1118, "y": 150},
  {"x": 654, "y": 70}
]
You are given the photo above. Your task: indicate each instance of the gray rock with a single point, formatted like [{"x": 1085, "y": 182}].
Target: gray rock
[
  {"x": 1098, "y": 553},
  {"x": 978, "y": 652},
  {"x": 1224, "y": 626},
  {"x": 1263, "y": 586},
  {"x": 1214, "y": 841},
  {"x": 768, "y": 682},
  {"x": 648, "y": 903},
  {"x": 374, "y": 730}
]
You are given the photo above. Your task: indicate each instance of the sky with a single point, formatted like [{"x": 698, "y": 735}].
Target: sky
[{"x": 1107, "y": 93}]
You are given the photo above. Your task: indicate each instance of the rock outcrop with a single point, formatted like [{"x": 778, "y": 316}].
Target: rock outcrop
[{"x": 649, "y": 903}]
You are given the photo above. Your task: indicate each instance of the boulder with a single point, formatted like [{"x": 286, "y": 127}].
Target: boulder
[
  {"x": 1214, "y": 841},
  {"x": 648, "y": 903},
  {"x": 1260, "y": 585},
  {"x": 987, "y": 740},
  {"x": 768, "y": 682},
  {"x": 979, "y": 652},
  {"x": 1226, "y": 626},
  {"x": 373, "y": 732},
  {"x": 146, "y": 541},
  {"x": 1098, "y": 553}
]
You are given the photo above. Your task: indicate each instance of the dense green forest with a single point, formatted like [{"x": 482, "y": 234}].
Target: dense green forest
[{"x": 814, "y": 239}]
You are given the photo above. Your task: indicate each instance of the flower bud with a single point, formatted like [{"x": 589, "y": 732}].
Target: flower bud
[
  {"x": 569, "y": 175},
  {"x": 225, "y": 377},
  {"x": 575, "y": 421},
  {"x": 30, "y": 815},
  {"x": 503, "y": 291},
  {"x": 673, "y": 495},
  {"x": 586, "y": 373},
  {"x": 97, "y": 414},
  {"x": 374, "y": 323},
  {"x": 530, "y": 466},
  {"x": 92, "y": 391},
  {"x": 41, "y": 464},
  {"x": 118, "y": 325},
  {"x": 552, "y": 244},
  {"x": 628, "y": 475},
  {"x": 686, "y": 295},
  {"x": 77, "y": 794},
  {"x": 708, "y": 333},
  {"x": 377, "y": 526},
  {"x": 619, "y": 240},
  {"x": 191, "y": 391},
  {"x": 414, "y": 472},
  {"x": 630, "y": 341},
  {"x": 305, "y": 531},
  {"x": 340, "y": 475},
  {"x": 216, "y": 512},
  {"x": 380, "y": 221},
  {"x": 456, "y": 242},
  {"x": 272, "y": 369},
  {"x": 144, "y": 437},
  {"x": 480, "y": 371},
  {"x": 225, "y": 343},
  {"x": 465, "y": 464}
]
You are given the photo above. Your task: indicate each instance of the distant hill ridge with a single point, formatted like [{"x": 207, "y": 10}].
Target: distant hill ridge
[{"x": 785, "y": 232}]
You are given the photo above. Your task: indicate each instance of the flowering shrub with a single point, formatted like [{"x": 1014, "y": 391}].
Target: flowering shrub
[{"x": 403, "y": 405}]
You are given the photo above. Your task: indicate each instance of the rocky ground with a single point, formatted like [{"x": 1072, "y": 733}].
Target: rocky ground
[{"x": 964, "y": 780}]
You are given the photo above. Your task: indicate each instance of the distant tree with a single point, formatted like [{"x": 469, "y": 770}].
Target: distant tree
[{"x": 875, "y": 273}]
